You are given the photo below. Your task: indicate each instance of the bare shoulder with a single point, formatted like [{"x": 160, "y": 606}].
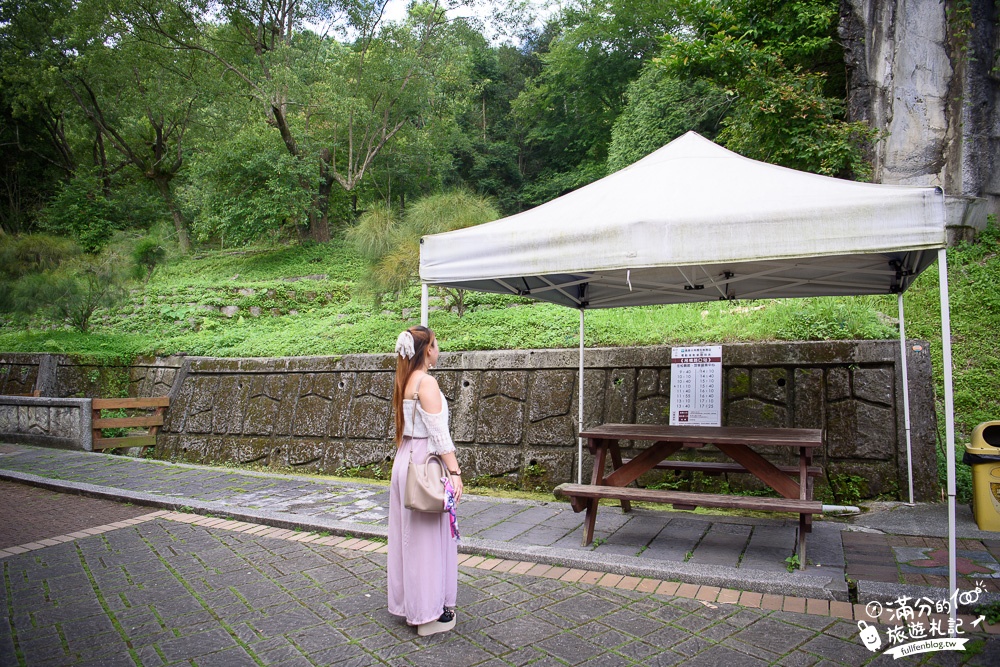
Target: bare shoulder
[
  {"x": 429, "y": 382},
  {"x": 430, "y": 394}
]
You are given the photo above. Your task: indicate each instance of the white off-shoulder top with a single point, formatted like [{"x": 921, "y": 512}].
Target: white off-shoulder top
[{"x": 433, "y": 426}]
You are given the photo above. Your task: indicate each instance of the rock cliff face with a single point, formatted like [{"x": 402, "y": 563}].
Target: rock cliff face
[{"x": 926, "y": 74}]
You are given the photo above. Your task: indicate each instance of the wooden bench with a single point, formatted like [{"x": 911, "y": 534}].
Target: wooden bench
[
  {"x": 153, "y": 422},
  {"x": 581, "y": 495}
]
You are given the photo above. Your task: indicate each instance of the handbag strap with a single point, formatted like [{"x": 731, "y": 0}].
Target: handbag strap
[{"x": 413, "y": 412}]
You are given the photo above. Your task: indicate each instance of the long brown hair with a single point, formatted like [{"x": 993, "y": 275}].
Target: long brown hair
[{"x": 422, "y": 337}]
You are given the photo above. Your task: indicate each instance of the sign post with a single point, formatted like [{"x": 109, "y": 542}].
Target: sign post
[{"x": 696, "y": 386}]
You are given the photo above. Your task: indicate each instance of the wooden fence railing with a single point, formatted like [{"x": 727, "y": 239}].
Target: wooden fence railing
[{"x": 153, "y": 422}]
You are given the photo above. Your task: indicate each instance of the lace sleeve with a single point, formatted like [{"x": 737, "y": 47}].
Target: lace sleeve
[{"x": 438, "y": 435}]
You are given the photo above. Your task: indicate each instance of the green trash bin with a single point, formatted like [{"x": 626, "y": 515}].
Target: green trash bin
[{"x": 983, "y": 454}]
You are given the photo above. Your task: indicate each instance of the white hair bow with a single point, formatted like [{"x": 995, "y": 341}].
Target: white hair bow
[{"x": 404, "y": 345}]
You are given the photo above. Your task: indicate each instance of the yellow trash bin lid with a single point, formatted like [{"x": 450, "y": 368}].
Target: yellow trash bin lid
[{"x": 985, "y": 438}]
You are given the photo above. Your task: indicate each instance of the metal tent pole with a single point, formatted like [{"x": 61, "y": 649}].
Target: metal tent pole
[
  {"x": 423, "y": 304},
  {"x": 579, "y": 440},
  {"x": 949, "y": 421},
  {"x": 906, "y": 395}
]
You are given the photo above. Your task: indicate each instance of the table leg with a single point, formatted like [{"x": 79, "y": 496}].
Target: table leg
[
  {"x": 616, "y": 462},
  {"x": 589, "y": 520},
  {"x": 600, "y": 449},
  {"x": 803, "y": 474},
  {"x": 802, "y": 541}
]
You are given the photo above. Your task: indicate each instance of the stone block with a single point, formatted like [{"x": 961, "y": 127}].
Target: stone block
[
  {"x": 195, "y": 405},
  {"x": 447, "y": 382},
  {"x": 496, "y": 460},
  {"x": 356, "y": 453},
  {"x": 229, "y": 403},
  {"x": 312, "y": 415},
  {"x": 754, "y": 413},
  {"x": 653, "y": 410},
  {"x": 856, "y": 429},
  {"x": 738, "y": 383},
  {"x": 263, "y": 402},
  {"x": 560, "y": 430},
  {"x": 306, "y": 454},
  {"x": 769, "y": 384},
  {"x": 594, "y": 387},
  {"x": 342, "y": 389},
  {"x": 64, "y": 422},
  {"x": 370, "y": 417},
  {"x": 647, "y": 383},
  {"x": 189, "y": 448},
  {"x": 515, "y": 385},
  {"x": 809, "y": 403},
  {"x": 838, "y": 384},
  {"x": 371, "y": 408},
  {"x": 289, "y": 391},
  {"x": 874, "y": 385},
  {"x": 245, "y": 450},
  {"x": 464, "y": 407},
  {"x": 502, "y": 421},
  {"x": 546, "y": 467},
  {"x": 8, "y": 419},
  {"x": 550, "y": 421},
  {"x": 551, "y": 394},
  {"x": 163, "y": 381},
  {"x": 33, "y": 419},
  {"x": 871, "y": 479},
  {"x": 620, "y": 396}
]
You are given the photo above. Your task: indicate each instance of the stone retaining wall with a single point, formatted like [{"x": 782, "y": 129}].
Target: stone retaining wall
[
  {"x": 50, "y": 422},
  {"x": 514, "y": 412}
]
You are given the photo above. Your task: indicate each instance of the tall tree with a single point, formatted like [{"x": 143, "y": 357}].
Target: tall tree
[
  {"x": 598, "y": 47},
  {"x": 139, "y": 100},
  {"x": 334, "y": 105},
  {"x": 784, "y": 70}
]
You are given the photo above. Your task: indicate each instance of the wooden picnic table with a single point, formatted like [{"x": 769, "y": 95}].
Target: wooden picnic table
[{"x": 793, "y": 483}]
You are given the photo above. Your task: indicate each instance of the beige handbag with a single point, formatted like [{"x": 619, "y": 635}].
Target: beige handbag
[{"x": 424, "y": 481}]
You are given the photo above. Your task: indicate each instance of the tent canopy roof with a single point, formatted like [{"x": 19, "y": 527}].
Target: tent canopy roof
[{"x": 696, "y": 222}]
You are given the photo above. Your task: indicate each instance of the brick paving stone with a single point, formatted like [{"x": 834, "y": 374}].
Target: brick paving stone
[
  {"x": 687, "y": 590},
  {"x": 797, "y": 605},
  {"x": 707, "y": 593},
  {"x": 728, "y": 596},
  {"x": 819, "y": 607},
  {"x": 609, "y": 580},
  {"x": 29, "y": 514},
  {"x": 841, "y": 609},
  {"x": 773, "y": 602},
  {"x": 668, "y": 588}
]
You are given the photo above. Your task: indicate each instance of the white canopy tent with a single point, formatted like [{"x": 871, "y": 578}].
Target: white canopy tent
[{"x": 695, "y": 222}]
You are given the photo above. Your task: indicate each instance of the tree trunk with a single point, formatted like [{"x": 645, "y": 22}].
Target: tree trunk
[
  {"x": 163, "y": 185},
  {"x": 319, "y": 221}
]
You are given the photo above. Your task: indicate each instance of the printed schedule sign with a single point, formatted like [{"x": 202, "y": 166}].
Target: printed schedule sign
[{"x": 696, "y": 386}]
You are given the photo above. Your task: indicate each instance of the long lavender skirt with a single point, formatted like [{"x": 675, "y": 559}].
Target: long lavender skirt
[{"x": 423, "y": 558}]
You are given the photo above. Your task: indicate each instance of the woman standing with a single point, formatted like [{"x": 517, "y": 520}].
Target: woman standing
[{"x": 423, "y": 556}]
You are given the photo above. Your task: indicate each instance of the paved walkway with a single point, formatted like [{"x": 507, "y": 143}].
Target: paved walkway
[{"x": 547, "y": 602}]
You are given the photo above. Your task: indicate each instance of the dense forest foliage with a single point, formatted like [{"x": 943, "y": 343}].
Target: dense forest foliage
[{"x": 234, "y": 121}]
